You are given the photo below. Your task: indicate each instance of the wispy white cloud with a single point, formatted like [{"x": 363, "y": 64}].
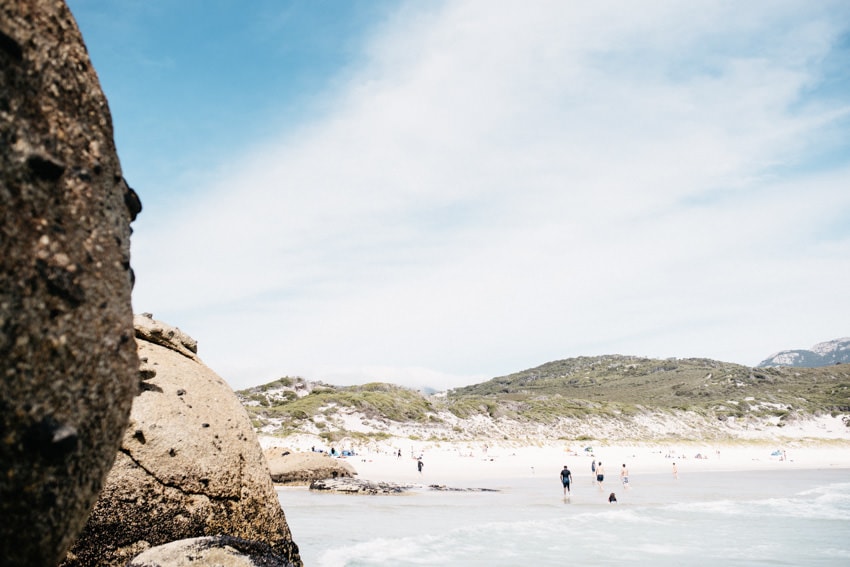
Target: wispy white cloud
[{"x": 497, "y": 184}]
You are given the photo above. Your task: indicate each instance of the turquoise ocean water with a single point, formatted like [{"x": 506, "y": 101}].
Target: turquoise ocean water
[{"x": 752, "y": 518}]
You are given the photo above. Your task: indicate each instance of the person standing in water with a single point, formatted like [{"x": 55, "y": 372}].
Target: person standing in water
[
  {"x": 600, "y": 475},
  {"x": 675, "y": 471},
  {"x": 624, "y": 476},
  {"x": 566, "y": 479}
]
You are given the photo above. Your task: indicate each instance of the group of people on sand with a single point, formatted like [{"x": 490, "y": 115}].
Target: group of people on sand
[{"x": 597, "y": 473}]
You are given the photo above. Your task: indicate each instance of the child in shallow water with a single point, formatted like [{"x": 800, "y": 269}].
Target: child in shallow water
[{"x": 612, "y": 498}]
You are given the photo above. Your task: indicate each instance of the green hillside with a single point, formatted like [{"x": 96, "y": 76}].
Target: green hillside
[
  {"x": 290, "y": 402},
  {"x": 612, "y": 387},
  {"x": 588, "y": 384}
]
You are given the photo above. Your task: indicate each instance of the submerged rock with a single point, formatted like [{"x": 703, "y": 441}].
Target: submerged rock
[
  {"x": 189, "y": 465},
  {"x": 357, "y": 486},
  {"x": 68, "y": 365},
  {"x": 444, "y": 488}
]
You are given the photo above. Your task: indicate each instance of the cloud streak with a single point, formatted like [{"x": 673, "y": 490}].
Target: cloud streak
[{"x": 493, "y": 186}]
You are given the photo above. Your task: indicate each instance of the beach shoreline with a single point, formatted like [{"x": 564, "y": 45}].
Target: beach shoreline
[
  {"x": 464, "y": 463},
  {"x": 817, "y": 443},
  {"x": 445, "y": 465},
  {"x": 750, "y": 517}
]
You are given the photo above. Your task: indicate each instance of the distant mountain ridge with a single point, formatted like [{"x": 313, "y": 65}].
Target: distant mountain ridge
[{"x": 836, "y": 351}]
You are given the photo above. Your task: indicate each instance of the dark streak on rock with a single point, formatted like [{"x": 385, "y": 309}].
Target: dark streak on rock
[
  {"x": 53, "y": 440},
  {"x": 148, "y": 387},
  {"x": 61, "y": 283},
  {"x": 147, "y": 374},
  {"x": 45, "y": 167},
  {"x": 12, "y": 47},
  {"x": 177, "y": 485},
  {"x": 131, "y": 199}
]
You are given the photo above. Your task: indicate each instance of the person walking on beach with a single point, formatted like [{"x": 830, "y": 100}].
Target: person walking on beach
[
  {"x": 592, "y": 470},
  {"x": 419, "y": 464},
  {"x": 624, "y": 476},
  {"x": 675, "y": 471},
  {"x": 566, "y": 479},
  {"x": 600, "y": 475}
]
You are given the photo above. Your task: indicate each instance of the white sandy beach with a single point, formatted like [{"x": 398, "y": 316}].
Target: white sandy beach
[
  {"x": 453, "y": 465},
  {"x": 812, "y": 445}
]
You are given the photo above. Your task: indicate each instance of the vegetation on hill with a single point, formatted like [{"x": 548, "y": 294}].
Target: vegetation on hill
[
  {"x": 609, "y": 387},
  {"x": 291, "y": 402},
  {"x": 628, "y": 384}
]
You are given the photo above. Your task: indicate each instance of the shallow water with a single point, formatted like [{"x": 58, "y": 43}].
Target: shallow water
[{"x": 750, "y": 518}]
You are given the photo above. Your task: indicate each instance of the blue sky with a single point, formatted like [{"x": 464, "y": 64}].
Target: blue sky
[{"x": 436, "y": 193}]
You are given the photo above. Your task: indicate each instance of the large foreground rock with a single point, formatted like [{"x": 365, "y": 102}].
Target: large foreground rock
[
  {"x": 288, "y": 467},
  {"x": 190, "y": 465},
  {"x": 68, "y": 366}
]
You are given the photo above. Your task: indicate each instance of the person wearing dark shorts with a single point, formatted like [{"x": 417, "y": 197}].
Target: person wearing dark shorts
[
  {"x": 600, "y": 475},
  {"x": 566, "y": 479}
]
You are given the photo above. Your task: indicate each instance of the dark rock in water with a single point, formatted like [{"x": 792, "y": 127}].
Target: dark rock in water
[
  {"x": 190, "y": 465},
  {"x": 68, "y": 365},
  {"x": 444, "y": 488},
  {"x": 357, "y": 486},
  {"x": 219, "y": 551}
]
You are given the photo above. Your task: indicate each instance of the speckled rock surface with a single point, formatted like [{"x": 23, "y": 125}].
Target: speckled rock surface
[
  {"x": 189, "y": 465},
  {"x": 219, "y": 551},
  {"x": 68, "y": 365}
]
